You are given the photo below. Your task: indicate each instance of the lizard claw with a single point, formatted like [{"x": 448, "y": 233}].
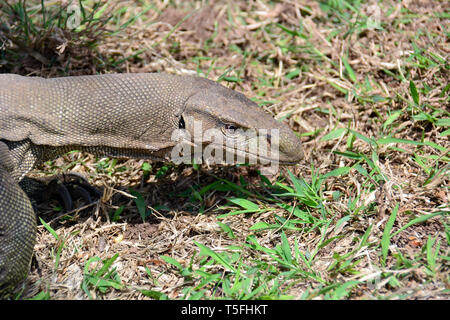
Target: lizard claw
[{"x": 71, "y": 187}]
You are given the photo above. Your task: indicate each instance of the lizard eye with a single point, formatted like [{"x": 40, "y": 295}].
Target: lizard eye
[{"x": 230, "y": 129}]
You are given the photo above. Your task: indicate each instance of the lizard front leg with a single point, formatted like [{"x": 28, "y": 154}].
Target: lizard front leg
[{"x": 17, "y": 227}]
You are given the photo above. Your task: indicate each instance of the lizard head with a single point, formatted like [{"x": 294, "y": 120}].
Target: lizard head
[{"x": 227, "y": 121}]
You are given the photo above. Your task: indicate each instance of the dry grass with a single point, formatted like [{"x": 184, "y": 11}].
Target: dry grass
[{"x": 345, "y": 85}]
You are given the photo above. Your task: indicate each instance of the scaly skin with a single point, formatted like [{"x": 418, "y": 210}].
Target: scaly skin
[{"x": 115, "y": 115}]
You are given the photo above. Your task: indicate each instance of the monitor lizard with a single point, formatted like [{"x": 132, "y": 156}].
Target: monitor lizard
[{"x": 114, "y": 115}]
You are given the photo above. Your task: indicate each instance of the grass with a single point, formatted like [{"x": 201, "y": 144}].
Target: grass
[{"x": 364, "y": 216}]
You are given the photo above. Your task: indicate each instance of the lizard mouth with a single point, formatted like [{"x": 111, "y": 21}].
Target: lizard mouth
[{"x": 224, "y": 154}]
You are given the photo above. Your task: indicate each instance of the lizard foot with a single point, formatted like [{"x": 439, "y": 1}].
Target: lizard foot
[
  {"x": 70, "y": 187},
  {"x": 65, "y": 188}
]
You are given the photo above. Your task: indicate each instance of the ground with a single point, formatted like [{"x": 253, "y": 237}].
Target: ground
[{"x": 363, "y": 216}]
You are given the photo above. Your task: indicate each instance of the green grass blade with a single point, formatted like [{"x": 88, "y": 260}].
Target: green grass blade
[{"x": 385, "y": 240}]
